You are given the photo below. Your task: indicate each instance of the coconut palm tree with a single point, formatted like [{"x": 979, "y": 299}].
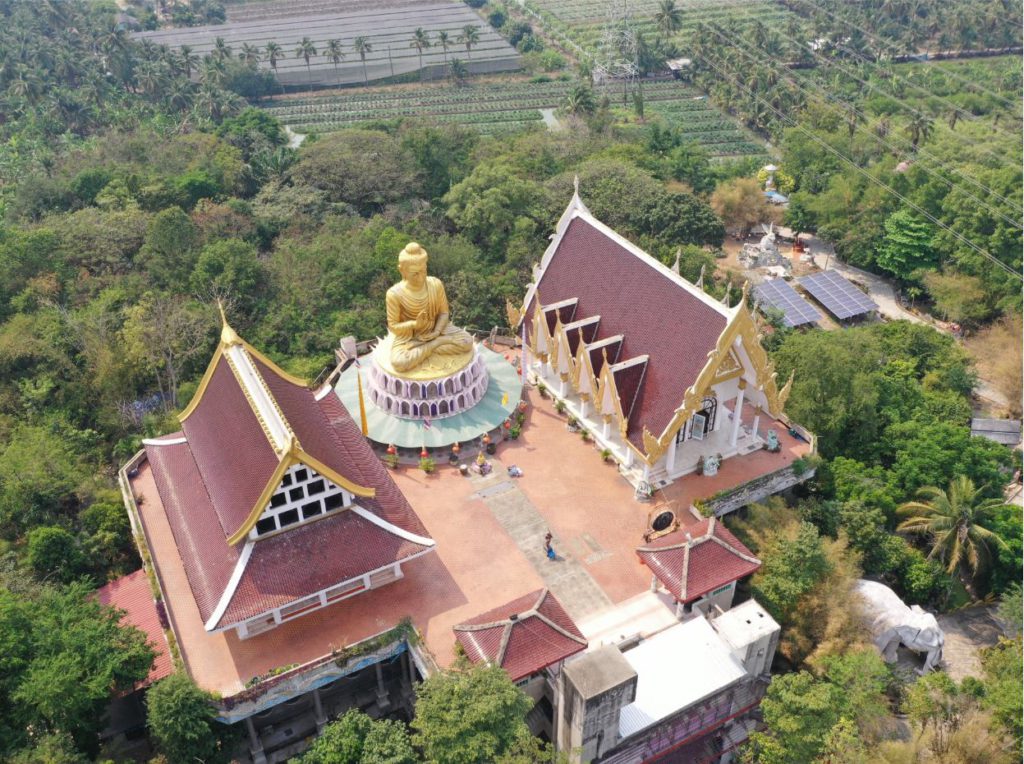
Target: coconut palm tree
[
  {"x": 420, "y": 41},
  {"x": 189, "y": 60},
  {"x": 306, "y": 50},
  {"x": 469, "y": 37},
  {"x": 274, "y": 53},
  {"x": 362, "y": 46},
  {"x": 669, "y": 18},
  {"x": 953, "y": 519},
  {"x": 919, "y": 128},
  {"x": 335, "y": 54},
  {"x": 249, "y": 54},
  {"x": 444, "y": 41},
  {"x": 221, "y": 50}
]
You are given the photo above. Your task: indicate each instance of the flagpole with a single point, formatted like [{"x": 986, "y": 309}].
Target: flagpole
[{"x": 362, "y": 404}]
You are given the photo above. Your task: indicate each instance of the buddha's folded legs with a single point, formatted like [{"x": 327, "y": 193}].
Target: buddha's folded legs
[{"x": 412, "y": 353}]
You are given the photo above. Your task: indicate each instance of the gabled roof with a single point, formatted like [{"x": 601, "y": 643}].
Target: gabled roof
[
  {"x": 239, "y": 436},
  {"x": 694, "y": 561},
  {"x": 659, "y": 314},
  {"x": 248, "y": 422},
  {"x": 133, "y": 595},
  {"x": 523, "y": 636}
]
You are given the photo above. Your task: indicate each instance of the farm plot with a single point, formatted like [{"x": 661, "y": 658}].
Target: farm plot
[
  {"x": 582, "y": 22},
  {"x": 386, "y": 25},
  {"x": 496, "y": 107}
]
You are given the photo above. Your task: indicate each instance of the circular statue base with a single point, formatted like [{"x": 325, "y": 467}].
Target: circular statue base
[
  {"x": 427, "y": 397},
  {"x": 498, "y": 402}
]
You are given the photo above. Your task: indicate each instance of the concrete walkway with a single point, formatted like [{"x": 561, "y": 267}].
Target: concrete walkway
[
  {"x": 967, "y": 632},
  {"x": 567, "y": 578}
]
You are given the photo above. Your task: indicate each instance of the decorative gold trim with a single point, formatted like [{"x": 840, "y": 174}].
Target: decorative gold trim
[
  {"x": 742, "y": 327},
  {"x": 514, "y": 314},
  {"x": 228, "y": 337},
  {"x": 294, "y": 455},
  {"x": 730, "y": 368},
  {"x": 252, "y": 404}
]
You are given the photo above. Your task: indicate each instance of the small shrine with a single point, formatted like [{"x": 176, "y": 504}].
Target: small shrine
[
  {"x": 428, "y": 383},
  {"x": 765, "y": 254}
]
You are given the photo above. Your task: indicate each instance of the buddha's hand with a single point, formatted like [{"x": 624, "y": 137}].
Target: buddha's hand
[{"x": 424, "y": 326}]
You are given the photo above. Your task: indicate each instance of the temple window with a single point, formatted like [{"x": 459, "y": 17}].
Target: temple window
[{"x": 303, "y": 495}]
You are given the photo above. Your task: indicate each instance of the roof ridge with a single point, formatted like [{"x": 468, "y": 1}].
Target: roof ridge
[
  {"x": 261, "y": 400},
  {"x": 726, "y": 545},
  {"x": 588, "y": 217},
  {"x": 564, "y": 632}
]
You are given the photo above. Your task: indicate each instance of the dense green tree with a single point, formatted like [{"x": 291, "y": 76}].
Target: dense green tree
[
  {"x": 360, "y": 167},
  {"x": 802, "y": 711},
  {"x": 468, "y": 715},
  {"x": 180, "y": 716},
  {"x": 907, "y": 245},
  {"x": 61, "y": 655},
  {"x": 793, "y": 564},
  {"x": 933, "y": 453},
  {"x": 1002, "y": 667},
  {"x": 488, "y": 202},
  {"x": 229, "y": 268},
  {"x": 53, "y": 554},
  {"x": 689, "y": 163},
  {"x": 169, "y": 250},
  {"x": 42, "y": 474}
]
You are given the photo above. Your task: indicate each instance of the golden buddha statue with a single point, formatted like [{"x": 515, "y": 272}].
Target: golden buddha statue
[{"x": 421, "y": 341}]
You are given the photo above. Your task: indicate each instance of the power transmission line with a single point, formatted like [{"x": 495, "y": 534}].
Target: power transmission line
[
  {"x": 960, "y": 237},
  {"x": 787, "y": 77}
]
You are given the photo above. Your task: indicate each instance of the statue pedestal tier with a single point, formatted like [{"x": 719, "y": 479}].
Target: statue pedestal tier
[{"x": 456, "y": 385}]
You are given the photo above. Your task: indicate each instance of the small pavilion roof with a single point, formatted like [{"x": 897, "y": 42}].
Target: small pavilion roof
[
  {"x": 523, "y": 636},
  {"x": 133, "y": 595},
  {"x": 699, "y": 559}
]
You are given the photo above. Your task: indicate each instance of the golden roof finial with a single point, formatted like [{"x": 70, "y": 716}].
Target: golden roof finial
[
  {"x": 227, "y": 334},
  {"x": 576, "y": 185}
]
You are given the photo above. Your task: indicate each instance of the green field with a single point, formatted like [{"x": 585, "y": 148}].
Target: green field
[{"x": 500, "y": 106}]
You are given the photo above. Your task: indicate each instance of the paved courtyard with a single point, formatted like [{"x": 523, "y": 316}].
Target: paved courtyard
[{"x": 490, "y": 550}]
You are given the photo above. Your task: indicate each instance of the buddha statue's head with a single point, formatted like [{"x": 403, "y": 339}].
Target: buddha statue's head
[{"x": 412, "y": 264}]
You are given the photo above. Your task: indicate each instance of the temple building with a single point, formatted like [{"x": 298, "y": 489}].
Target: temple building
[
  {"x": 668, "y": 379},
  {"x": 292, "y": 576}
]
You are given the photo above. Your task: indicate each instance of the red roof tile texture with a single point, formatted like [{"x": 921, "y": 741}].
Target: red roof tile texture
[
  {"x": 133, "y": 594},
  {"x": 712, "y": 557},
  {"x": 523, "y": 636},
  {"x": 231, "y": 450},
  {"x": 656, "y": 316},
  {"x": 335, "y": 548}
]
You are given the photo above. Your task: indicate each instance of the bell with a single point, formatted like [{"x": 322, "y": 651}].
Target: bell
[
  {"x": 486, "y": 438},
  {"x": 456, "y": 448},
  {"x": 392, "y": 450},
  {"x": 423, "y": 453}
]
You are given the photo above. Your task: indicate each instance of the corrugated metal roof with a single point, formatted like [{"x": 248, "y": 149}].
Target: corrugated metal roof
[{"x": 676, "y": 669}]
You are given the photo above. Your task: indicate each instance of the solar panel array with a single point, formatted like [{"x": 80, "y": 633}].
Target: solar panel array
[
  {"x": 781, "y": 296},
  {"x": 840, "y": 297}
]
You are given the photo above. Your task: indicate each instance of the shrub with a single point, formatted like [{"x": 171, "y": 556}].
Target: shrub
[
  {"x": 560, "y": 407},
  {"x": 606, "y": 454},
  {"x": 53, "y": 551},
  {"x": 181, "y": 718},
  {"x": 391, "y": 460},
  {"x": 427, "y": 464}
]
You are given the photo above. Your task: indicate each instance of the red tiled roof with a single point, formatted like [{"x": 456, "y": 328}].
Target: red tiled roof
[
  {"x": 692, "y": 562},
  {"x": 333, "y": 549},
  {"x": 133, "y": 594},
  {"x": 523, "y": 636},
  {"x": 230, "y": 448},
  {"x": 655, "y": 314}
]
